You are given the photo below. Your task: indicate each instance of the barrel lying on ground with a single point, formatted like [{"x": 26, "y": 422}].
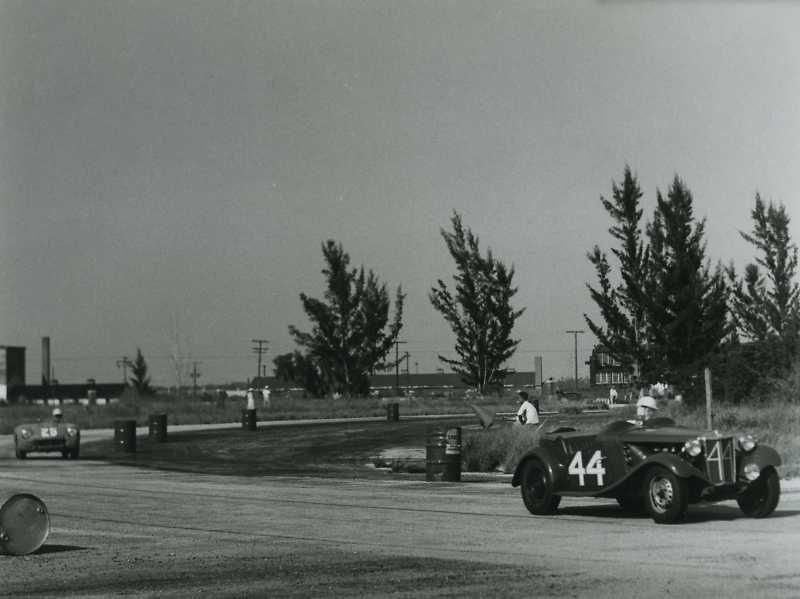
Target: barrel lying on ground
[
  {"x": 158, "y": 427},
  {"x": 443, "y": 455},
  {"x": 24, "y": 524},
  {"x": 249, "y": 420},
  {"x": 125, "y": 435}
]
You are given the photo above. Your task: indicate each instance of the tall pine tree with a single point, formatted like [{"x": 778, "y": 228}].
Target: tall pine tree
[
  {"x": 620, "y": 301},
  {"x": 685, "y": 301},
  {"x": 351, "y": 334},
  {"x": 478, "y": 310}
]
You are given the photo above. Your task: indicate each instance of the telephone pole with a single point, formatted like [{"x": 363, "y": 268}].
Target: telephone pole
[
  {"x": 575, "y": 334},
  {"x": 195, "y": 375},
  {"x": 397, "y": 366},
  {"x": 261, "y": 349}
]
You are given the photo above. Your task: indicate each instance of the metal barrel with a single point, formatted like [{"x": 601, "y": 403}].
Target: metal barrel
[
  {"x": 157, "y": 427},
  {"x": 24, "y": 524},
  {"x": 125, "y": 435},
  {"x": 443, "y": 455},
  {"x": 393, "y": 412},
  {"x": 249, "y": 420}
]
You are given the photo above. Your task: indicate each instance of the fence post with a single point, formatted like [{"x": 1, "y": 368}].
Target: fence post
[{"x": 708, "y": 397}]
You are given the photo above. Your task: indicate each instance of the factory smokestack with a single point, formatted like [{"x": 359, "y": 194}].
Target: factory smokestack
[{"x": 46, "y": 361}]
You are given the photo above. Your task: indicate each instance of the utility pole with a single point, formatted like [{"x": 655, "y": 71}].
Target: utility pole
[
  {"x": 124, "y": 363},
  {"x": 575, "y": 334},
  {"x": 397, "y": 366},
  {"x": 261, "y": 349},
  {"x": 195, "y": 375},
  {"x": 408, "y": 372}
]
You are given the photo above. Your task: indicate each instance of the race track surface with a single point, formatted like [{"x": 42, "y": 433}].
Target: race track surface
[{"x": 121, "y": 530}]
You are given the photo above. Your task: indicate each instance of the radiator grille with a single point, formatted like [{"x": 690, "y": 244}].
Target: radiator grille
[{"x": 720, "y": 459}]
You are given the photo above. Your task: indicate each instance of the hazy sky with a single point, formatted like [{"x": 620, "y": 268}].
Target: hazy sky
[{"x": 182, "y": 161}]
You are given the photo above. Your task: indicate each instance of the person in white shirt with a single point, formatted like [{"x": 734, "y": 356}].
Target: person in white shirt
[
  {"x": 265, "y": 395},
  {"x": 612, "y": 395},
  {"x": 527, "y": 413},
  {"x": 251, "y": 399}
]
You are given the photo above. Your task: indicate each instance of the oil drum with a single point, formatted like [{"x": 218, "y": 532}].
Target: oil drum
[
  {"x": 125, "y": 435},
  {"x": 158, "y": 427},
  {"x": 249, "y": 420},
  {"x": 393, "y": 412},
  {"x": 443, "y": 455},
  {"x": 24, "y": 524}
]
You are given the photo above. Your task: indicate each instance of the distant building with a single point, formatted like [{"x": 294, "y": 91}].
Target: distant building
[
  {"x": 604, "y": 370},
  {"x": 12, "y": 370}
]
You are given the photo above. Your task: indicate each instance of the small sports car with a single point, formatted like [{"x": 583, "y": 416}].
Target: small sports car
[
  {"x": 656, "y": 466},
  {"x": 49, "y": 436}
]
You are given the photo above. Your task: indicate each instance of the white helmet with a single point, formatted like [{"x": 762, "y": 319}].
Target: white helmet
[
  {"x": 57, "y": 413},
  {"x": 644, "y": 405}
]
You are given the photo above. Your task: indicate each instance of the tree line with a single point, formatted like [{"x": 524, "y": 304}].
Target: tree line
[{"x": 664, "y": 309}]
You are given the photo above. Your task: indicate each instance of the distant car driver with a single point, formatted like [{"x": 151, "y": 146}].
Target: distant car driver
[
  {"x": 527, "y": 413},
  {"x": 57, "y": 414}
]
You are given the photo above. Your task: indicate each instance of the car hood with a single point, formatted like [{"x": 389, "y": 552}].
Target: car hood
[
  {"x": 35, "y": 426},
  {"x": 664, "y": 434}
]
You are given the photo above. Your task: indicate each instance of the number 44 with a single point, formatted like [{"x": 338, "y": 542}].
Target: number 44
[{"x": 594, "y": 467}]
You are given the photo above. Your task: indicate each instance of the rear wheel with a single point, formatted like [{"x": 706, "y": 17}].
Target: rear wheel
[
  {"x": 761, "y": 497},
  {"x": 537, "y": 489},
  {"x": 666, "y": 496}
]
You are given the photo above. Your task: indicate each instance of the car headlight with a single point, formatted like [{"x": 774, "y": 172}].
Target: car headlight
[
  {"x": 747, "y": 442},
  {"x": 25, "y": 433},
  {"x": 752, "y": 472},
  {"x": 692, "y": 447},
  {"x": 71, "y": 431}
]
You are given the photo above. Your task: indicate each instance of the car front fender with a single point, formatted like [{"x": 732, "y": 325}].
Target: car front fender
[
  {"x": 763, "y": 456},
  {"x": 677, "y": 465},
  {"x": 546, "y": 458}
]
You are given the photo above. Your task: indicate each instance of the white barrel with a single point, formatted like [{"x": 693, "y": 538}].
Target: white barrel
[{"x": 24, "y": 524}]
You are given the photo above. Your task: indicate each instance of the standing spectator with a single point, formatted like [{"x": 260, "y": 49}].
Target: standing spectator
[
  {"x": 265, "y": 395},
  {"x": 612, "y": 395},
  {"x": 527, "y": 413},
  {"x": 251, "y": 399}
]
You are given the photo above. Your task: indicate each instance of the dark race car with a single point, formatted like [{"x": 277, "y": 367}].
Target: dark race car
[
  {"x": 49, "y": 436},
  {"x": 657, "y": 467}
]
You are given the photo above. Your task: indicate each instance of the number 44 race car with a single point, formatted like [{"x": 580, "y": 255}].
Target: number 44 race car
[
  {"x": 656, "y": 466},
  {"x": 52, "y": 435}
]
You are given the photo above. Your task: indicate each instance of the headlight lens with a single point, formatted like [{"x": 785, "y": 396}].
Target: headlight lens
[
  {"x": 72, "y": 431},
  {"x": 693, "y": 447},
  {"x": 752, "y": 472},
  {"x": 747, "y": 443},
  {"x": 25, "y": 433}
]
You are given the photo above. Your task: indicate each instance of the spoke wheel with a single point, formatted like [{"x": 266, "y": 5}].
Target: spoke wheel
[
  {"x": 537, "y": 489},
  {"x": 762, "y": 496},
  {"x": 666, "y": 496}
]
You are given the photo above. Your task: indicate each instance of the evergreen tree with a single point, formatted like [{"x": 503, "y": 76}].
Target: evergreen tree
[
  {"x": 140, "y": 380},
  {"x": 621, "y": 305},
  {"x": 766, "y": 304},
  {"x": 300, "y": 369},
  {"x": 685, "y": 302},
  {"x": 478, "y": 311},
  {"x": 351, "y": 334}
]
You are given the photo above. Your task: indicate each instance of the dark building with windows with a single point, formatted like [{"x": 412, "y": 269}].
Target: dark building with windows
[{"x": 605, "y": 371}]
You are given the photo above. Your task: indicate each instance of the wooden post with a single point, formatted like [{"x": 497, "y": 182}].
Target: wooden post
[{"x": 708, "y": 398}]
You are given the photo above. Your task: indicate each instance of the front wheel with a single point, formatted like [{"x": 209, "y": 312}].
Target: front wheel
[
  {"x": 761, "y": 497},
  {"x": 537, "y": 489},
  {"x": 21, "y": 455},
  {"x": 666, "y": 496}
]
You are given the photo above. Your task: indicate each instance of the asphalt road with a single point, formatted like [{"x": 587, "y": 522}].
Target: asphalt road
[{"x": 121, "y": 530}]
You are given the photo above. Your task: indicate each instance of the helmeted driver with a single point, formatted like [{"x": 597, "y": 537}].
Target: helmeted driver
[
  {"x": 57, "y": 414},
  {"x": 646, "y": 407}
]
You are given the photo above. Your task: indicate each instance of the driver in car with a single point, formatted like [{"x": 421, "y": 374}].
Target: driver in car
[{"x": 646, "y": 408}]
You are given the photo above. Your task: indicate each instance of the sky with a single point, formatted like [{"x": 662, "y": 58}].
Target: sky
[{"x": 170, "y": 169}]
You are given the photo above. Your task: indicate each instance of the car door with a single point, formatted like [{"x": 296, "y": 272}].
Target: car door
[{"x": 589, "y": 467}]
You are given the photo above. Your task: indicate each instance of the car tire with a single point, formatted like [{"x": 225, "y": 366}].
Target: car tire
[
  {"x": 76, "y": 452},
  {"x": 666, "y": 496},
  {"x": 20, "y": 455},
  {"x": 537, "y": 489},
  {"x": 762, "y": 496},
  {"x": 65, "y": 454}
]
